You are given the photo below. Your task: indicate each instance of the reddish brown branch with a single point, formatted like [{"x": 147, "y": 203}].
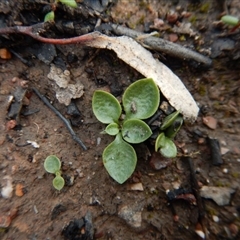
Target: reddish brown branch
[{"x": 35, "y": 30}]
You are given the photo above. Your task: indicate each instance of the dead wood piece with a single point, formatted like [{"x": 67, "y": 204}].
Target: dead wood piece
[
  {"x": 66, "y": 122},
  {"x": 162, "y": 45},
  {"x": 215, "y": 151},
  {"x": 195, "y": 188}
]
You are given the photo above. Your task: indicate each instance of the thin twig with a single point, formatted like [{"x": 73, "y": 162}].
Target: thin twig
[
  {"x": 162, "y": 45},
  {"x": 158, "y": 44},
  {"x": 35, "y": 30},
  {"x": 66, "y": 122},
  {"x": 195, "y": 188}
]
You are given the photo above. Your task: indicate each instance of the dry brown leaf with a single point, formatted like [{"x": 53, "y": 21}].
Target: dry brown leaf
[{"x": 142, "y": 60}]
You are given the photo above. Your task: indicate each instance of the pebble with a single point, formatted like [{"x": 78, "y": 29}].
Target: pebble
[
  {"x": 158, "y": 162},
  {"x": 225, "y": 170},
  {"x": 136, "y": 187},
  {"x": 5, "y": 54},
  {"x": 7, "y": 189},
  {"x": 199, "y": 231},
  {"x": 220, "y": 195},
  {"x": 210, "y": 122},
  {"x": 132, "y": 215},
  {"x": 173, "y": 37},
  {"x": 215, "y": 218},
  {"x": 19, "y": 190},
  {"x": 224, "y": 150},
  {"x": 172, "y": 17}
]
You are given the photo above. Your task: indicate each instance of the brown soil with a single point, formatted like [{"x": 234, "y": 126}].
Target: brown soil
[{"x": 89, "y": 187}]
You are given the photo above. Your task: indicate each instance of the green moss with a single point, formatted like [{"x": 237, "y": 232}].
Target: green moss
[
  {"x": 202, "y": 90},
  {"x": 141, "y": 20},
  {"x": 235, "y": 174},
  {"x": 205, "y": 7},
  {"x": 193, "y": 19}
]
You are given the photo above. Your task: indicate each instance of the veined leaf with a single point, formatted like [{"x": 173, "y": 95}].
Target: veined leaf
[
  {"x": 106, "y": 107},
  {"x": 135, "y": 131},
  {"x": 119, "y": 159},
  {"x": 141, "y": 99}
]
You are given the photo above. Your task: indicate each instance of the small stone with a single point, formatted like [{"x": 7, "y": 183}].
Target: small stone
[
  {"x": 172, "y": 17},
  {"x": 224, "y": 150},
  {"x": 132, "y": 215},
  {"x": 19, "y": 190},
  {"x": 220, "y": 195},
  {"x": 215, "y": 218},
  {"x": 173, "y": 37},
  {"x": 225, "y": 170},
  {"x": 158, "y": 162},
  {"x": 233, "y": 229},
  {"x": 158, "y": 23},
  {"x": 11, "y": 124},
  {"x": 210, "y": 122},
  {"x": 5, "y": 54},
  {"x": 136, "y": 187},
  {"x": 199, "y": 231},
  {"x": 7, "y": 188}
]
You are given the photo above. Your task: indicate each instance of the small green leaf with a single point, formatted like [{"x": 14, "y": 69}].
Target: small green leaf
[
  {"x": 135, "y": 131},
  {"x": 70, "y": 3},
  {"x": 119, "y": 159},
  {"x": 112, "y": 129},
  {"x": 172, "y": 131},
  {"x": 52, "y": 164},
  {"x": 49, "y": 16},
  {"x": 230, "y": 20},
  {"x": 58, "y": 182},
  {"x": 160, "y": 141},
  {"x": 168, "y": 121},
  {"x": 169, "y": 150},
  {"x": 106, "y": 107},
  {"x": 141, "y": 99}
]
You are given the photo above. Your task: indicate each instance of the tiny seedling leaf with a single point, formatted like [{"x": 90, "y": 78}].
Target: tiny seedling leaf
[
  {"x": 49, "y": 16},
  {"x": 135, "y": 131},
  {"x": 230, "y": 20},
  {"x": 172, "y": 131},
  {"x": 52, "y": 164},
  {"x": 106, "y": 107},
  {"x": 112, "y": 129},
  {"x": 168, "y": 121},
  {"x": 160, "y": 141},
  {"x": 141, "y": 99},
  {"x": 119, "y": 159},
  {"x": 70, "y": 3},
  {"x": 169, "y": 150},
  {"x": 58, "y": 182}
]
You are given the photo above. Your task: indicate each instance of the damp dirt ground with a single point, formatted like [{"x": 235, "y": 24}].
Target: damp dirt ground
[{"x": 37, "y": 211}]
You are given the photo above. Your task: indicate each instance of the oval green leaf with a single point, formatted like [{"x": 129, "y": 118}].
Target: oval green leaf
[
  {"x": 169, "y": 150},
  {"x": 141, "y": 99},
  {"x": 135, "y": 131},
  {"x": 58, "y": 182},
  {"x": 172, "y": 131},
  {"x": 70, "y": 3},
  {"x": 168, "y": 121},
  {"x": 49, "y": 16},
  {"x": 112, "y": 129},
  {"x": 52, "y": 164},
  {"x": 119, "y": 159},
  {"x": 230, "y": 20},
  {"x": 160, "y": 141},
  {"x": 106, "y": 107}
]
